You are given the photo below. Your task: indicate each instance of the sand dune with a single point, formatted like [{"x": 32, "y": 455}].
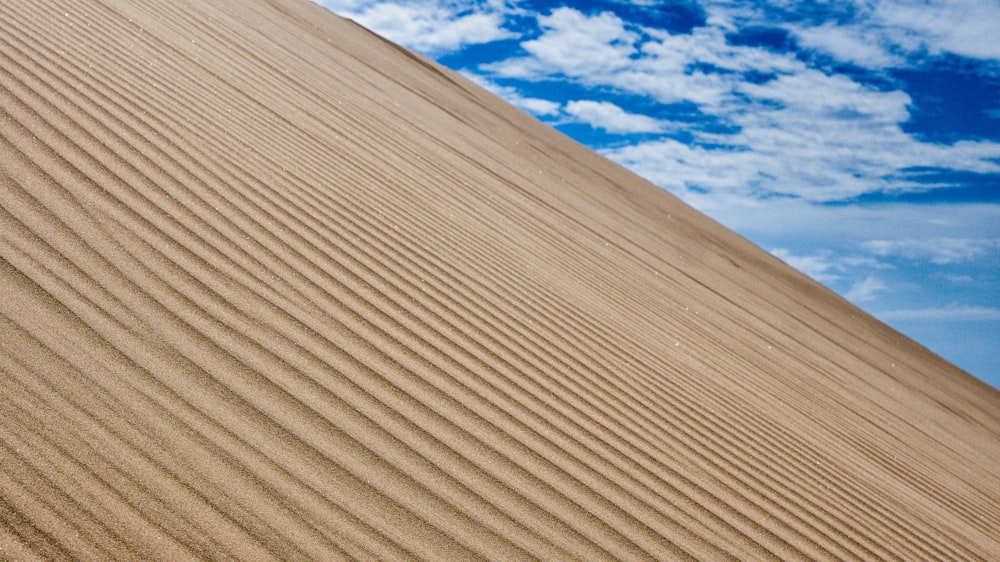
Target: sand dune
[{"x": 274, "y": 288}]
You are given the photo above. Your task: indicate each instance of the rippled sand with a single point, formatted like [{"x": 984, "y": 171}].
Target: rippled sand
[{"x": 274, "y": 288}]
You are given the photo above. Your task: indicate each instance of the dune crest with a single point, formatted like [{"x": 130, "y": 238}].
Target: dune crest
[{"x": 275, "y": 288}]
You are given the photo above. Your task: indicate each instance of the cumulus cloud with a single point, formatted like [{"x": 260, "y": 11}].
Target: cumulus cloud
[
  {"x": 962, "y": 27},
  {"x": 792, "y": 130},
  {"x": 810, "y": 135},
  {"x": 431, "y": 26},
  {"x": 575, "y": 45},
  {"x": 536, "y": 106},
  {"x": 690, "y": 170},
  {"x": 880, "y": 34},
  {"x": 612, "y": 118},
  {"x": 789, "y": 129},
  {"x": 604, "y": 50}
]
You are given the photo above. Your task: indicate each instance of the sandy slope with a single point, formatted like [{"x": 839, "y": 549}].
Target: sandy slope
[{"x": 273, "y": 288}]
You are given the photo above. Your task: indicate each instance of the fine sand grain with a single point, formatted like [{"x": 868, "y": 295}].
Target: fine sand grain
[{"x": 274, "y": 288}]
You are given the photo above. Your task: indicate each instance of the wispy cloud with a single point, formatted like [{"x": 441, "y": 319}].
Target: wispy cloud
[
  {"x": 950, "y": 312},
  {"x": 834, "y": 269},
  {"x": 939, "y": 251},
  {"x": 865, "y": 290},
  {"x": 848, "y": 44},
  {"x": 962, "y": 279},
  {"x": 822, "y": 268},
  {"x": 536, "y": 106}
]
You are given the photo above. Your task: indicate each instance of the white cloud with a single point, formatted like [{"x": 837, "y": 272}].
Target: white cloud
[
  {"x": 613, "y": 119},
  {"x": 819, "y": 267},
  {"x": 832, "y": 268},
  {"x": 804, "y": 133},
  {"x": 847, "y": 43},
  {"x": 708, "y": 44},
  {"x": 882, "y": 34},
  {"x": 537, "y": 106},
  {"x": 598, "y": 114},
  {"x": 865, "y": 290},
  {"x": 832, "y": 243},
  {"x": 808, "y": 135},
  {"x": 579, "y": 45},
  {"x": 837, "y": 98},
  {"x": 604, "y": 50},
  {"x": 963, "y": 27},
  {"x": 961, "y": 279},
  {"x": 950, "y": 312},
  {"x": 429, "y": 27},
  {"x": 939, "y": 251},
  {"x": 780, "y": 135},
  {"x": 864, "y": 239},
  {"x": 690, "y": 170}
]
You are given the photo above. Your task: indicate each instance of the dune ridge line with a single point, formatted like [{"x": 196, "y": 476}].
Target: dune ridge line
[{"x": 274, "y": 288}]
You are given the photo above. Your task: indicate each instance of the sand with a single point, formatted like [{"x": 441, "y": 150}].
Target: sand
[{"x": 274, "y": 288}]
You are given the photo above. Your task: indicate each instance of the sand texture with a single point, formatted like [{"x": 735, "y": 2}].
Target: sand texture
[{"x": 274, "y": 288}]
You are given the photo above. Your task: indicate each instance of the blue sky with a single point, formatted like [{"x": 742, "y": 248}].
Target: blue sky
[{"x": 857, "y": 140}]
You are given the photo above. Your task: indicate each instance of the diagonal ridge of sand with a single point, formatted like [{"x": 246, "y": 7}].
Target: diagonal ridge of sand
[{"x": 272, "y": 287}]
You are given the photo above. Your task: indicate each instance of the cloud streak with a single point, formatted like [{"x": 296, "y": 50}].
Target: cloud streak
[
  {"x": 940, "y": 251},
  {"x": 947, "y": 313}
]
